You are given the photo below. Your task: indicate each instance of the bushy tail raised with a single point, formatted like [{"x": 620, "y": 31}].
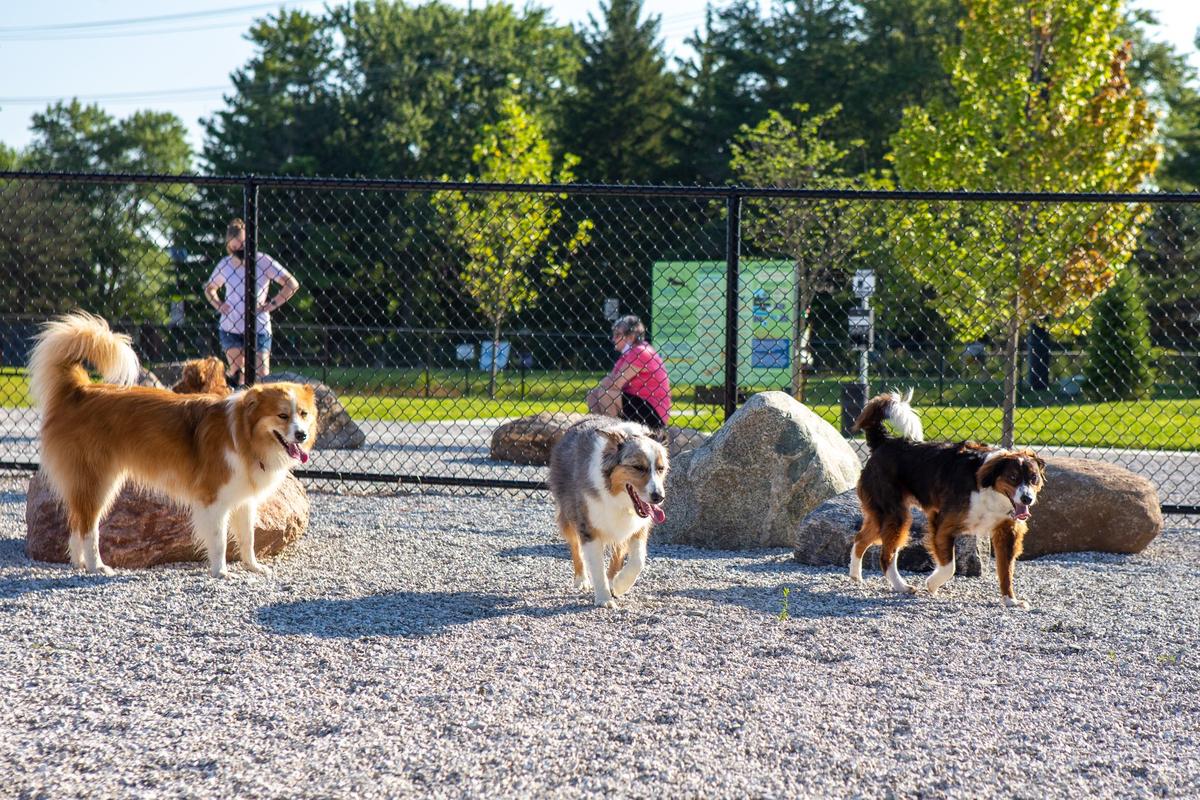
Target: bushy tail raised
[
  {"x": 68, "y": 342},
  {"x": 895, "y": 408}
]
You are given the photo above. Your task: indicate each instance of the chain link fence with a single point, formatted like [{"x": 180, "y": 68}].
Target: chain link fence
[{"x": 455, "y": 327}]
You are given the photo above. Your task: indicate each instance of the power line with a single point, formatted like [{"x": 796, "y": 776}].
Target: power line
[
  {"x": 118, "y": 34},
  {"x": 139, "y": 20}
]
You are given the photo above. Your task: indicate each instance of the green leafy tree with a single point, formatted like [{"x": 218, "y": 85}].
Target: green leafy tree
[
  {"x": 619, "y": 117},
  {"x": 817, "y": 238},
  {"x": 422, "y": 80},
  {"x": 284, "y": 112},
  {"x": 1043, "y": 104},
  {"x": 121, "y": 266},
  {"x": 510, "y": 240},
  {"x": 872, "y": 57},
  {"x": 1119, "y": 354}
]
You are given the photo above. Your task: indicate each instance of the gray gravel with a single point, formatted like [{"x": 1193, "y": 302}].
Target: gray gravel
[{"x": 430, "y": 645}]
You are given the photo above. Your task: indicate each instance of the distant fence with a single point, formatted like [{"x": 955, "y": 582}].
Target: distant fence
[{"x": 1014, "y": 316}]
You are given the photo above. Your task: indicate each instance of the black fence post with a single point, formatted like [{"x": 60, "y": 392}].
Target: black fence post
[
  {"x": 250, "y": 270},
  {"x": 733, "y": 246}
]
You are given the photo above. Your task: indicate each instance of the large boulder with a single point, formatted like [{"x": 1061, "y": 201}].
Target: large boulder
[
  {"x": 1092, "y": 505},
  {"x": 529, "y": 440},
  {"x": 824, "y": 537},
  {"x": 335, "y": 429},
  {"x": 142, "y": 529},
  {"x": 751, "y": 484}
]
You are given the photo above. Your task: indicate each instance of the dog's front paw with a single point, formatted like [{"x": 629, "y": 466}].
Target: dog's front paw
[
  {"x": 1013, "y": 602},
  {"x": 103, "y": 569},
  {"x": 581, "y": 583},
  {"x": 219, "y": 572},
  {"x": 904, "y": 588},
  {"x": 259, "y": 569}
]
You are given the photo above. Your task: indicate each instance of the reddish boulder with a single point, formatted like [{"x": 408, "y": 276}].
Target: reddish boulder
[{"x": 142, "y": 529}]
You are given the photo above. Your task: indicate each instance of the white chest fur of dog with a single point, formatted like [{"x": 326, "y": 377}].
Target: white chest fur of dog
[{"x": 612, "y": 517}]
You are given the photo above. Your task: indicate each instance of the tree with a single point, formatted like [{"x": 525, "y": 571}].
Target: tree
[
  {"x": 1043, "y": 104},
  {"x": 284, "y": 112},
  {"x": 816, "y": 238},
  {"x": 620, "y": 116},
  {"x": 122, "y": 266},
  {"x": 509, "y": 239},
  {"x": 1118, "y": 346},
  {"x": 423, "y": 79}
]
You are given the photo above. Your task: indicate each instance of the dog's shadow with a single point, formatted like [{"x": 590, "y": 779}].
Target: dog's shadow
[
  {"x": 549, "y": 550},
  {"x": 404, "y": 614}
]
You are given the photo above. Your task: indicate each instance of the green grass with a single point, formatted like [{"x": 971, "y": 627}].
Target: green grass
[{"x": 397, "y": 395}]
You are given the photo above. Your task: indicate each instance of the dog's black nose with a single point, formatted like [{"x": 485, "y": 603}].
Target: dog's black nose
[
  {"x": 301, "y": 436},
  {"x": 1026, "y": 499},
  {"x": 657, "y": 497}
]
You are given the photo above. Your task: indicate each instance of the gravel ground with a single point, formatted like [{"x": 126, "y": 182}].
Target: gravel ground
[{"x": 430, "y": 645}]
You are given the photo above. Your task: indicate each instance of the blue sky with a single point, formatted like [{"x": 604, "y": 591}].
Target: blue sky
[{"x": 181, "y": 60}]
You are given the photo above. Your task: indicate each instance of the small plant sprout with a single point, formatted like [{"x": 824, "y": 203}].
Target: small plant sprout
[{"x": 783, "y": 612}]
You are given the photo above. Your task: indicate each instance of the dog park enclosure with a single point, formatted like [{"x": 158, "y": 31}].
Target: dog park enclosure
[{"x": 435, "y": 312}]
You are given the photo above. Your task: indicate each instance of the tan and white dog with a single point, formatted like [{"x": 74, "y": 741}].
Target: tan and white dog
[
  {"x": 218, "y": 456},
  {"x": 608, "y": 479}
]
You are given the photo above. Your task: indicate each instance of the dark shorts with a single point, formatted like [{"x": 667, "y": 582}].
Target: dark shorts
[
  {"x": 638, "y": 409},
  {"x": 231, "y": 341}
]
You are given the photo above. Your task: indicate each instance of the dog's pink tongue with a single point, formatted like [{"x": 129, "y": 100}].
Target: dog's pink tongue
[
  {"x": 1021, "y": 511},
  {"x": 658, "y": 514},
  {"x": 297, "y": 452}
]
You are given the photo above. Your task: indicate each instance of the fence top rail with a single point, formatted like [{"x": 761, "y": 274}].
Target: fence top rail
[{"x": 596, "y": 189}]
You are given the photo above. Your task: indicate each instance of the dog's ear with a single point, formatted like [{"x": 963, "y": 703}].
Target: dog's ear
[
  {"x": 986, "y": 476},
  {"x": 612, "y": 435}
]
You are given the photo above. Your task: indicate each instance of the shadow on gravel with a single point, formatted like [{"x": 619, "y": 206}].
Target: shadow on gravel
[
  {"x": 15, "y": 587},
  {"x": 413, "y": 614},
  {"x": 802, "y": 603},
  {"x": 558, "y": 550},
  {"x": 12, "y": 553}
]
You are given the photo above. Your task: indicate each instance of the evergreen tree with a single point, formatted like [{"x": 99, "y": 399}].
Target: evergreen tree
[
  {"x": 620, "y": 117},
  {"x": 1118, "y": 346}
]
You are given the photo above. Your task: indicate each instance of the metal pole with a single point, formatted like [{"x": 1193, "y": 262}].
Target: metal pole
[
  {"x": 733, "y": 245},
  {"x": 250, "y": 270},
  {"x": 862, "y": 355}
]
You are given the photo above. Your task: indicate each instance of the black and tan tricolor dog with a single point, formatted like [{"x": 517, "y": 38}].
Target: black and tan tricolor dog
[{"x": 963, "y": 487}]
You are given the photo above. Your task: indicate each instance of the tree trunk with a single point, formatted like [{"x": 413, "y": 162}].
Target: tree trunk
[
  {"x": 495, "y": 359},
  {"x": 1011, "y": 350}
]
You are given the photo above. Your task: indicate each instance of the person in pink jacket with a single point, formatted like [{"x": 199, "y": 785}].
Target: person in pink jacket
[{"x": 637, "y": 389}]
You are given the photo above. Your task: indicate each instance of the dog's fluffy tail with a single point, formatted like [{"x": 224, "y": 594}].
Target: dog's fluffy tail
[
  {"x": 65, "y": 344},
  {"x": 895, "y": 408}
]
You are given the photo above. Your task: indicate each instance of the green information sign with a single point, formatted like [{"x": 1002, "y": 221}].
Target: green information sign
[{"x": 688, "y": 308}]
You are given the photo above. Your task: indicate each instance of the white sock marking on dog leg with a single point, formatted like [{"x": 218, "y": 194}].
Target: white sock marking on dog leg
[
  {"x": 91, "y": 554},
  {"x": 242, "y": 520},
  {"x": 75, "y": 549},
  {"x": 593, "y": 560},
  {"x": 633, "y": 567},
  {"x": 211, "y": 529},
  {"x": 855, "y": 566},
  {"x": 1012, "y": 602},
  {"x": 893, "y": 576},
  {"x": 941, "y": 574}
]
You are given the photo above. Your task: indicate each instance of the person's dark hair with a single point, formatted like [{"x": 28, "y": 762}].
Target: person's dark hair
[{"x": 630, "y": 325}]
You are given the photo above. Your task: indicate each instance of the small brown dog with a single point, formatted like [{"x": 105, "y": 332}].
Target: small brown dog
[{"x": 203, "y": 376}]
